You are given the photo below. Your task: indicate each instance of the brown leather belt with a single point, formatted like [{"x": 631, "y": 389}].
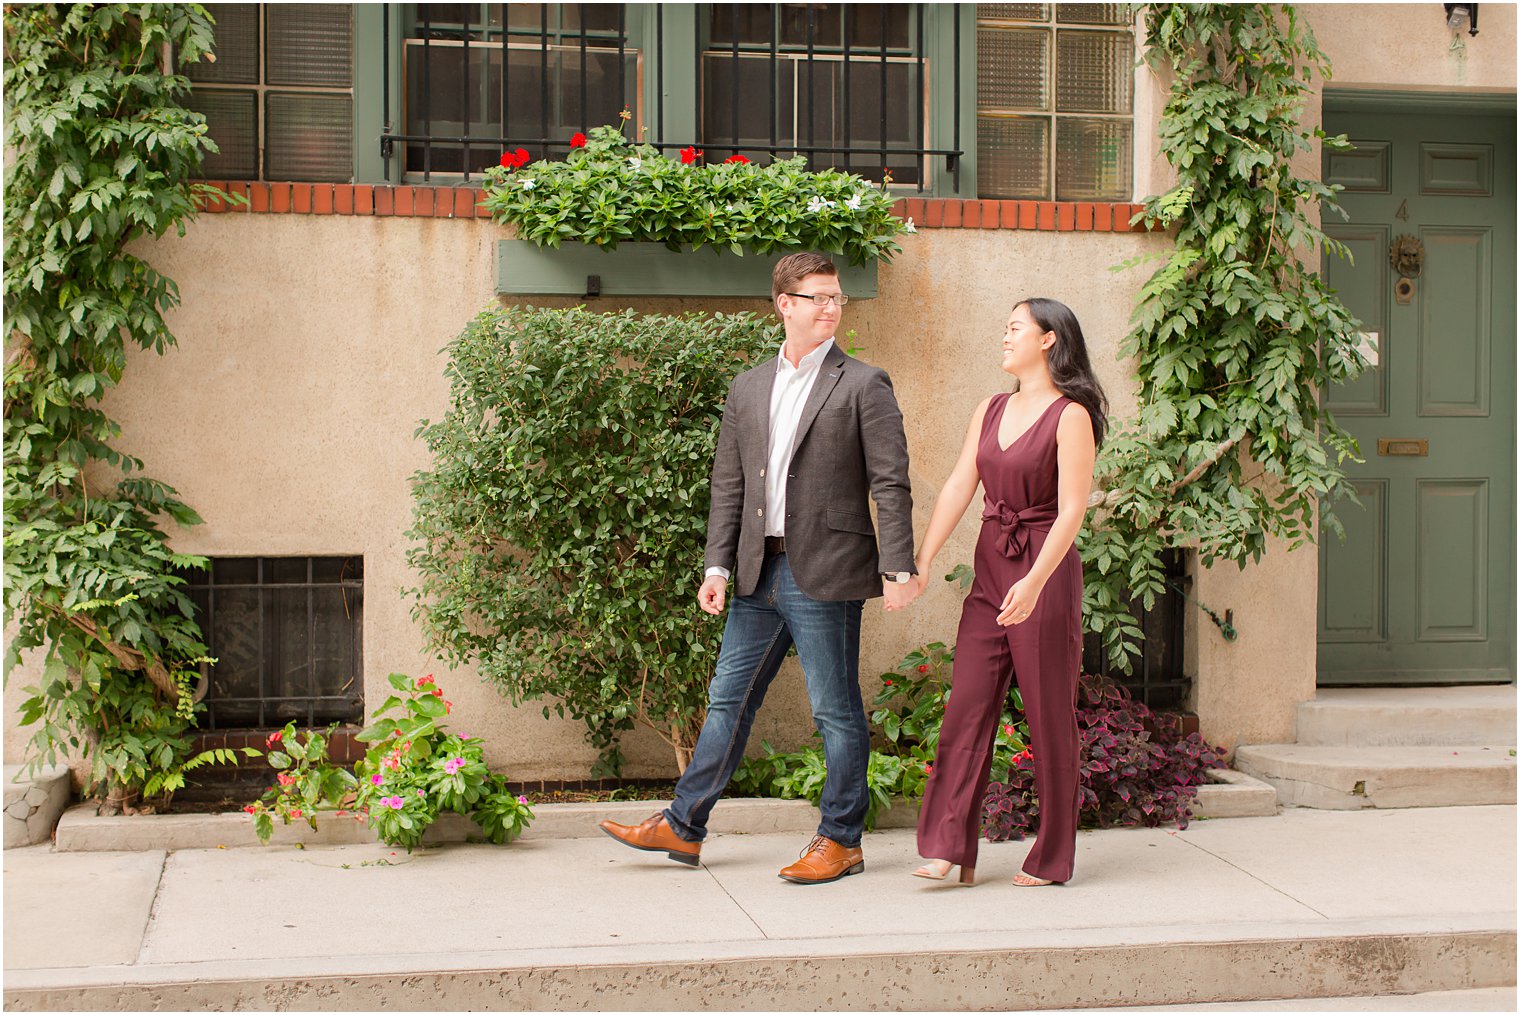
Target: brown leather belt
[{"x": 775, "y": 545}]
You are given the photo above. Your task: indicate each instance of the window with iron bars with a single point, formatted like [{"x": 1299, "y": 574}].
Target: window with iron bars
[
  {"x": 1055, "y": 101},
  {"x": 478, "y": 78},
  {"x": 844, "y": 85},
  {"x": 287, "y": 634},
  {"x": 279, "y": 98}
]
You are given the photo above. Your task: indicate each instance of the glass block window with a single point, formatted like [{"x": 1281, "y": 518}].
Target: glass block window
[
  {"x": 1055, "y": 101},
  {"x": 279, "y": 100},
  {"x": 287, "y": 634},
  {"x": 568, "y": 68}
]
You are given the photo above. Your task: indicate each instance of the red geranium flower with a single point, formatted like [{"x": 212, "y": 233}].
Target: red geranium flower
[
  {"x": 515, "y": 160},
  {"x": 923, "y": 668},
  {"x": 690, "y": 154},
  {"x": 577, "y": 140},
  {"x": 736, "y": 158}
]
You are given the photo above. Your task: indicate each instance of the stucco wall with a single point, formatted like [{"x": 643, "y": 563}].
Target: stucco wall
[
  {"x": 1409, "y": 47},
  {"x": 309, "y": 351}
]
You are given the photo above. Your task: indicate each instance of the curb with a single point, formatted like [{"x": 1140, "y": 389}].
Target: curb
[
  {"x": 1119, "y": 966},
  {"x": 82, "y": 830}
]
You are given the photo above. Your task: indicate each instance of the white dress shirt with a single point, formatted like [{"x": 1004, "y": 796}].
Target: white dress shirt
[{"x": 789, "y": 393}]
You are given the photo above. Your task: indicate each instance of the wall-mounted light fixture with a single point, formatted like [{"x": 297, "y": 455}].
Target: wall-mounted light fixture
[{"x": 1459, "y": 16}]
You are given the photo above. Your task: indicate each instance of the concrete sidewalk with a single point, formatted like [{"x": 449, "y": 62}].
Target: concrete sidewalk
[{"x": 1300, "y": 905}]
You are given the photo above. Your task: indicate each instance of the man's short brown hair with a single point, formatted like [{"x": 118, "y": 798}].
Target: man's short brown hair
[{"x": 793, "y": 268}]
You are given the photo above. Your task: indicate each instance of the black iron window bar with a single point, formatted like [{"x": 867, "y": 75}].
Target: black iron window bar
[
  {"x": 542, "y": 146},
  {"x": 1157, "y": 676},
  {"x": 338, "y": 697}
]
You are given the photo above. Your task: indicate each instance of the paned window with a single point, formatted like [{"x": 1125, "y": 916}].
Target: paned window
[
  {"x": 279, "y": 98},
  {"x": 568, "y": 67},
  {"x": 843, "y": 84},
  {"x": 287, "y": 636},
  {"x": 1055, "y": 101}
]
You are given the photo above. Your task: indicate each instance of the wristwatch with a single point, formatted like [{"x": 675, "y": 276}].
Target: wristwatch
[{"x": 896, "y": 577}]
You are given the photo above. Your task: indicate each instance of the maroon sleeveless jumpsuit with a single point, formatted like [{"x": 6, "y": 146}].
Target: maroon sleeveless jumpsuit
[{"x": 1044, "y": 653}]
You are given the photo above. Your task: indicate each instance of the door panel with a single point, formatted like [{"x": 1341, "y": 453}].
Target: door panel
[
  {"x": 1352, "y": 607},
  {"x": 1363, "y": 282},
  {"x": 1453, "y": 555},
  {"x": 1422, "y": 589},
  {"x": 1454, "y": 332}
]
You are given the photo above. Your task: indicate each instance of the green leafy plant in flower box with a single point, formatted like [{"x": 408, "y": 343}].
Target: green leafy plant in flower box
[{"x": 611, "y": 190}]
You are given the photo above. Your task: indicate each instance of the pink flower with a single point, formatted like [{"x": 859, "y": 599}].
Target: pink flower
[
  {"x": 376, "y": 779},
  {"x": 522, "y": 799},
  {"x": 295, "y": 814},
  {"x": 1008, "y": 729},
  {"x": 284, "y": 780},
  {"x": 453, "y": 765},
  {"x": 274, "y": 738},
  {"x": 393, "y": 802},
  {"x": 420, "y": 793}
]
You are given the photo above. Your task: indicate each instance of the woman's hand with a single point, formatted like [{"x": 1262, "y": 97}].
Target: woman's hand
[
  {"x": 1019, "y": 603},
  {"x": 921, "y": 580}
]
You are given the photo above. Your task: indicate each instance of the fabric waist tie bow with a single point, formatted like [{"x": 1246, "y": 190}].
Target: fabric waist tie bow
[
  {"x": 1012, "y": 539},
  {"x": 1014, "y": 526}
]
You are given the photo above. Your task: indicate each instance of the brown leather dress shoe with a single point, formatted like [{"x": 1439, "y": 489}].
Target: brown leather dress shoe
[
  {"x": 655, "y": 835},
  {"x": 824, "y": 860}
]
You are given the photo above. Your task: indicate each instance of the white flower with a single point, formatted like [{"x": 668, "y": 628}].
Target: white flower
[
  {"x": 528, "y": 184},
  {"x": 853, "y": 203},
  {"x": 635, "y": 163},
  {"x": 817, "y": 204},
  {"x": 910, "y": 228}
]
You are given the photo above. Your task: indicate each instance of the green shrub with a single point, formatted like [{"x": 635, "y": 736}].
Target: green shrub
[{"x": 560, "y": 531}]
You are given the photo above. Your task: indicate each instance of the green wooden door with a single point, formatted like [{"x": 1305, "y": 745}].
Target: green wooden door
[{"x": 1422, "y": 590}]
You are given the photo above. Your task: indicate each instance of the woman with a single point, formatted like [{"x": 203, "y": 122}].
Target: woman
[{"x": 1033, "y": 453}]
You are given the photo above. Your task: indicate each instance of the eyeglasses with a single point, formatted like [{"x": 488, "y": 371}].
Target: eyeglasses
[{"x": 820, "y": 300}]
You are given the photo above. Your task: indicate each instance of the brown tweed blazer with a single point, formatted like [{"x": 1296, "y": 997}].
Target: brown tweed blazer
[{"x": 850, "y": 444}]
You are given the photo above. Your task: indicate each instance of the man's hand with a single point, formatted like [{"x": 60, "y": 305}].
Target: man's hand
[
  {"x": 897, "y": 595},
  {"x": 712, "y": 594}
]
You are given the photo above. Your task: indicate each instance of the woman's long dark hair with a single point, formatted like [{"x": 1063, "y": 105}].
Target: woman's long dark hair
[{"x": 1067, "y": 361}]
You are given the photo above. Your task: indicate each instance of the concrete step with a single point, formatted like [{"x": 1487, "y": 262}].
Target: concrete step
[
  {"x": 34, "y": 804},
  {"x": 1352, "y": 778},
  {"x": 1414, "y": 716},
  {"x": 1231, "y": 795}
]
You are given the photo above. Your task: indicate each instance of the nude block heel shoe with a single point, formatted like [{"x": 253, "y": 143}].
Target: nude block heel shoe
[{"x": 934, "y": 873}]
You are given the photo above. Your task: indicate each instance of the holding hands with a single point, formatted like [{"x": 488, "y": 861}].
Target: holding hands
[{"x": 899, "y": 595}]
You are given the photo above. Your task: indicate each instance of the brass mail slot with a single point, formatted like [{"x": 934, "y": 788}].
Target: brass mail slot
[{"x": 1411, "y": 448}]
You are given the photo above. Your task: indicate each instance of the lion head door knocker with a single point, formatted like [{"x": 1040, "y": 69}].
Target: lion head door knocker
[{"x": 1407, "y": 257}]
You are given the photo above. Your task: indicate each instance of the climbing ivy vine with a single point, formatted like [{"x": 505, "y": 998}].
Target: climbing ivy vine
[
  {"x": 100, "y": 154},
  {"x": 1235, "y": 335}
]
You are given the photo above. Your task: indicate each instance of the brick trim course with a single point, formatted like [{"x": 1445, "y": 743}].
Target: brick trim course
[{"x": 464, "y": 203}]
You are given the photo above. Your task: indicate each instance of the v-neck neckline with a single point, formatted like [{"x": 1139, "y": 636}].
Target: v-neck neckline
[{"x": 997, "y": 432}]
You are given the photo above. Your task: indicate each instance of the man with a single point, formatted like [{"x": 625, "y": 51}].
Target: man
[{"x": 804, "y": 438}]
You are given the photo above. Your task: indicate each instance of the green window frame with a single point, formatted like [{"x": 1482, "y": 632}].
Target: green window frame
[
  {"x": 664, "y": 98},
  {"x": 1055, "y": 101},
  {"x": 279, "y": 100}
]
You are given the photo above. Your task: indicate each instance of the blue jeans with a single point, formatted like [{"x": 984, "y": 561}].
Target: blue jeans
[{"x": 760, "y": 629}]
